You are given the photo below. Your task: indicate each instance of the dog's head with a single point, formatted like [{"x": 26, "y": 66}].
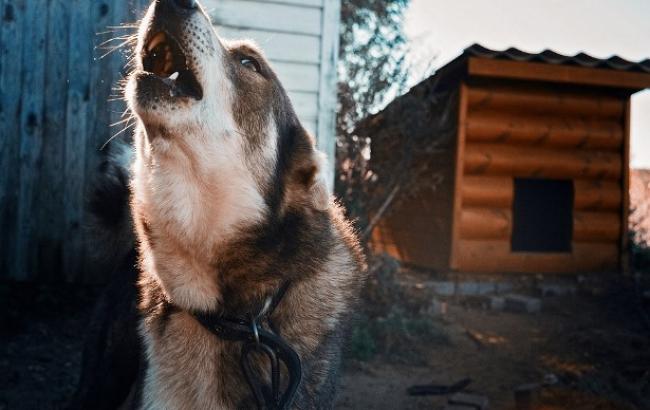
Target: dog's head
[{"x": 215, "y": 109}]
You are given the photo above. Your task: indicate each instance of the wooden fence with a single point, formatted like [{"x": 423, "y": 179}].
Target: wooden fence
[{"x": 55, "y": 112}]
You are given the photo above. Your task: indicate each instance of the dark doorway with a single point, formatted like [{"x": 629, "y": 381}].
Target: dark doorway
[{"x": 542, "y": 215}]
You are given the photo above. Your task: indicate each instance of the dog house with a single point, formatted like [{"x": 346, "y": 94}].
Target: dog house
[{"x": 532, "y": 164}]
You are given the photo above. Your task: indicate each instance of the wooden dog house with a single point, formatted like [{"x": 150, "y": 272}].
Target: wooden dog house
[{"x": 535, "y": 174}]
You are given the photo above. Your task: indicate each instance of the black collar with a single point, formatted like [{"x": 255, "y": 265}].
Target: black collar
[{"x": 256, "y": 338}]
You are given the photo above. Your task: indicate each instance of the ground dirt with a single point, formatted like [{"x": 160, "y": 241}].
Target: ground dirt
[{"x": 593, "y": 344}]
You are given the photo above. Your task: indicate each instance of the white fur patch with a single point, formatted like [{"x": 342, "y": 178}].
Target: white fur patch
[{"x": 192, "y": 174}]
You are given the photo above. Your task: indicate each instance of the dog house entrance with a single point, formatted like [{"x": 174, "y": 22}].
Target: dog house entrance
[{"x": 542, "y": 215}]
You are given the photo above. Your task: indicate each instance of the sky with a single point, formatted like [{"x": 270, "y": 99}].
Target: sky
[{"x": 438, "y": 30}]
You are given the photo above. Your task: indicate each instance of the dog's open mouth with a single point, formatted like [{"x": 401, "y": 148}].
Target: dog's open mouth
[{"x": 163, "y": 57}]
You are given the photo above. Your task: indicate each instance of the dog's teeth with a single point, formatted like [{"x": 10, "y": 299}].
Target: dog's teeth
[
  {"x": 157, "y": 39},
  {"x": 174, "y": 76}
]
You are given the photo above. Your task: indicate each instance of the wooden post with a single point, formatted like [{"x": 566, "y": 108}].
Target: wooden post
[
  {"x": 458, "y": 178},
  {"x": 625, "y": 208},
  {"x": 327, "y": 84}
]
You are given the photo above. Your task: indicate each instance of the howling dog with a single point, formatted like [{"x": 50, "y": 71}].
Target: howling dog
[{"x": 247, "y": 272}]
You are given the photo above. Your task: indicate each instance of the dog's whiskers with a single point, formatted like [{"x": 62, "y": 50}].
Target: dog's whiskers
[
  {"x": 125, "y": 39},
  {"x": 117, "y": 47},
  {"x": 126, "y": 127},
  {"x": 122, "y": 38},
  {"x": 126, "y": 26},
  {"x": 122, "y": 121}
]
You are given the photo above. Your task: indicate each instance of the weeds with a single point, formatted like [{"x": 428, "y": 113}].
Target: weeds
[{"x": 392, "y": 324}]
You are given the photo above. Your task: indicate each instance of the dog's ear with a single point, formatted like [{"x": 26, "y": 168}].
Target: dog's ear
[
  {"x": 312, "y": 181},
  {"x": 320, "y": 195}
]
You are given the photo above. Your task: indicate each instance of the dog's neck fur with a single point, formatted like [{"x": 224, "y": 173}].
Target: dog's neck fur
[
  {"x": 196, "y": 224},
  {"x": 188, "y": 217}
]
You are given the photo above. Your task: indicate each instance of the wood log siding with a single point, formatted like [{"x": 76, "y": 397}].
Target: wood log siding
[
  {"x": 519, "y": 132},
  {"x": 501, "y": 159},
  {"x": 487, "y": 191},
  {"x": 496, "y": 223},
  {"x": 532, "y": 101},
  {"x": 544, "y": 131},
  {"x": 497, "y": 192},
  {"x": 486, "y": 223},
  {"x": 496, "y": 257},
  {"x": 596, "y": 227},
  {"x": 597, "y": 195}
]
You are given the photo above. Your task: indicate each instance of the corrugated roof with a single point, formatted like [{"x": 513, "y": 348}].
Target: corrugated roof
[{"x": 552, "y": 57}]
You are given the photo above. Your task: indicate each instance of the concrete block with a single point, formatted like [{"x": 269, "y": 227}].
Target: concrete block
[
  {"x": 476, "y": 288},
  {"x": 472, "y": 400},
  {"x": 444, "y": 288},
  {"x": 557, "y": 289},
  {"x": 497, "y": 303},
  {"x": 467, "y": 289},
  {"x": 522, "y": 304},
  {"x": 437, "y": 308},
  {"x": 502, "y": 287}
]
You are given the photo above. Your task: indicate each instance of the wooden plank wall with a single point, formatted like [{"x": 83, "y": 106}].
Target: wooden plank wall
[
  {"x": 56, "y": 108},
  {"x": 54, "y": 116},
  {"x": 415, "y": 230},
  {"x": 520, "y": 131}
]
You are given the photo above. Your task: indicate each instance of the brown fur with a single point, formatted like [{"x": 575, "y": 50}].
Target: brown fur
[
  {"x": 314, "y": 308},
  {"x": 205, "y": 256}
]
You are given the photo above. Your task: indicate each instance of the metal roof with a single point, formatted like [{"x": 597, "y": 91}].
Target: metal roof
[{"x": 552, "y": 57}]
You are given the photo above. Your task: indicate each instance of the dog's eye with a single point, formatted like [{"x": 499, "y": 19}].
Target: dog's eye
[{"x": 251, "y": 64}]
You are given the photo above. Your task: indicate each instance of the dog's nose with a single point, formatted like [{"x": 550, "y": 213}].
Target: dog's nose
[{"x": 187, "y": 4}]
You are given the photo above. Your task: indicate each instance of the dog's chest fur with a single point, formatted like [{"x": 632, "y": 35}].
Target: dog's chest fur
[{"x": 189, "y": 368}]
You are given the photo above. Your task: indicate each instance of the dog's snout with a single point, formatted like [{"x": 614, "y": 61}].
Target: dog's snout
[{"x": 187, "y": 4}]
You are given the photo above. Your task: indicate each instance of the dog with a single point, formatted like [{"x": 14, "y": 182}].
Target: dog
[{"x": 245, "y": 271}]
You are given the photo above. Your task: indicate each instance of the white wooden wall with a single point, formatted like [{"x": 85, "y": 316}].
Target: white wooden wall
[{"x": 300, "y": 38}]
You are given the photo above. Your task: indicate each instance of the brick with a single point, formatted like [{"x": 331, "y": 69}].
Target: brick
[{"x": 444, "y": 288}]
